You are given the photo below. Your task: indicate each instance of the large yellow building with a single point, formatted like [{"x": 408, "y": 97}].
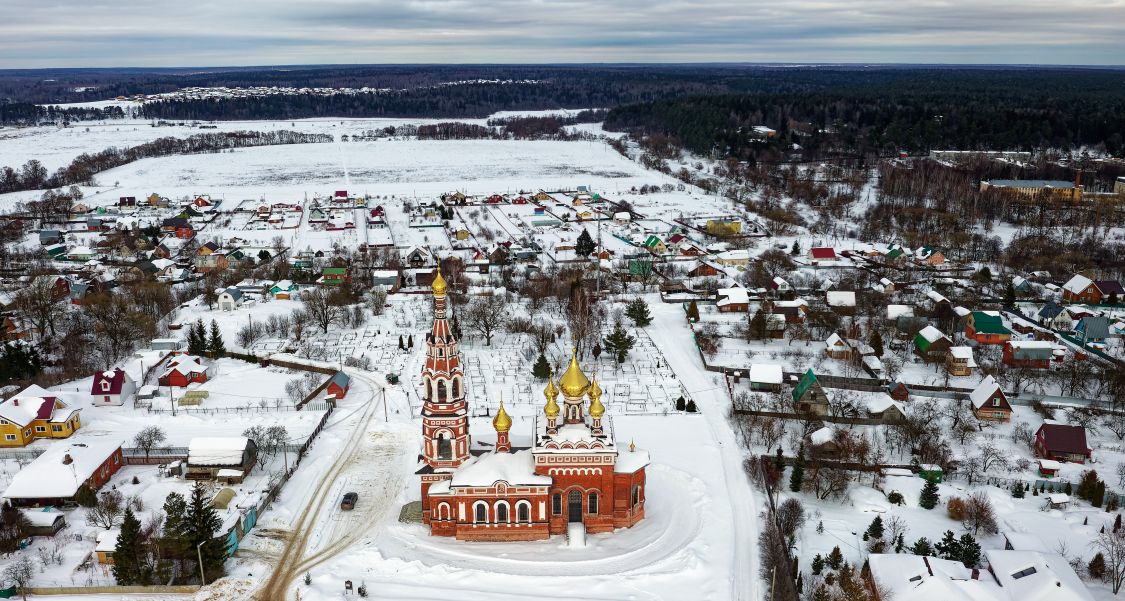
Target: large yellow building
[
  {"x": 36, "y": 413},
  {"x": 1033, "y": 188}
]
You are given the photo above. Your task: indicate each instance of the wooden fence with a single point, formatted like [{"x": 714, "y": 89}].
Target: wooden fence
[
  {"x": 853, "y": 421},
  {"x": 183, "y": 589}
]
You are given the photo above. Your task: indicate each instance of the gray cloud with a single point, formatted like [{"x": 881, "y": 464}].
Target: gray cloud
[{"x": 49, "y": 33}]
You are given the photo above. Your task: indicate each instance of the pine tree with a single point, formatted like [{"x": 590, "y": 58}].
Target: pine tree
[
  {"x": 201, "y": 521},
  {"x": 922, "y": 547},
  {"x": 197, "y": 338},
  {"x": 401, "y": 344},
  {"x": 875, "y": 530},
  {"x": 796, "y": 249},
  {"x": 542, "y": 369},
  {"x": 584, "y": 246},
  {"x": 1017, "y": 490},
  {"x": 948, "y": 547},
  {"x": 1096, "y": 567},
  {"x": 758, "y": 325},
  {"x": 900, "y": 543},
  {"x": 410, "y": 341},
  {"x": 215, "y": 343},
  {"x": 797, "y": 477},
  {"x": 1069, "y": 489},
  {"x": 876, "y": 343},
  {"x": 637, "y": 310},
  {"x": 820, "y": 527},
  {"x": 693, "y": 312},
  {"x": 619, "y": 342},
  {"x": 970, "y": 551},
  {"x": 779, "y": 463},
  {"x": 1099, "y": 494},
  {"x": 1117, "y": 523},
  {"x": 817, "y": 564},
  {"x": 822, "y": 594},
  {"x": 835, "y": 558},
  {"x": 929, "y": 497},
  {"x": 129, "y": 565}
]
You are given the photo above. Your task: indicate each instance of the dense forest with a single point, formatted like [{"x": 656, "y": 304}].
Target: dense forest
[{"x": 34, "y": 176}]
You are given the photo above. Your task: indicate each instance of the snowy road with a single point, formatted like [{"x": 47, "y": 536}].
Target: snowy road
[{"x": 674, "y": 339}]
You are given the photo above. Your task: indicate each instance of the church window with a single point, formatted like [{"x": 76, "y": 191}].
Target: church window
[
  {"x": 444, "y": 446},
  {"x": 636, "y": 495},
  {"x": 456, "y": 387},
  {"x": 501, "y": 512},
  {"x": 523, "y": 512},
  {"x": 593, "y": 504},
  {"x": 556, "y": 504},
  {"x": 480, "y": 511},
  {"x": 441, "y": 390},
  {"x": 443, "y": 511}
]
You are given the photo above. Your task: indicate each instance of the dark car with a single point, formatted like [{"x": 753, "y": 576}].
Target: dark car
[{"x": 349, "y": 501}]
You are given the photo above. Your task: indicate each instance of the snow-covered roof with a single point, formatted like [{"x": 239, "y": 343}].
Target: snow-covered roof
[
  {"x": 936, "y": 296},
  {"x": 873, "y": 363},
  {"x": 961, "y": 311},
  {"x": 834, "y": 340},
  {"x": 915, "y": 578},
  {"x": 42, "y": 518},
  {"x": 983, "y": 391},
  {"x": 629, "y": 462},
  {"x": 107, "y": 540},
  {"x": 34, "y": 403},
  {"x": 841, "y": 298},
  {"x": 896, "y": 311},
  {"x": 878, "y": 403},
  {"x": 735, "y": 296},
  {"x": 963, "y": 352},
  {"x": 823, "y": 435},
  {"x": 1077, "y": 284},
  {"x": 931, "y": 334},
  {"x": 48, "y": 477},
  {"x": 1031, "y": 344},
  {"x": 767, "y": 373},
  {"x": 1034, "y": 576},
  {"x": 224, "y": 450},
  {"x": 485, "y": 470},
  {"x": 1049, "y": 464}
]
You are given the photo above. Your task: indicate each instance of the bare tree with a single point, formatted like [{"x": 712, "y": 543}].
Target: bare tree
[
  {"x": 321, "y": 308},
  {"x": 979, "y": 515},
  {"x": 149, "y": 438},
  {"x": 110, "y": 507},
  {"x": 486, "y": 316},
  {"x": 21, "y": 571},
  {"x": 1112, "y": 546},
  {"x": 36, "y": 304}
]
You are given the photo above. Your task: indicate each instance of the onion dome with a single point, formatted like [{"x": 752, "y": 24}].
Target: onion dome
[
  {"x": 439, "y": 283},
  {"x": 597, "y": 409},
  {"x": 573, "y": 382},
  {"x": 502, "y": 422},
  {"x": 552, "y": 393}
]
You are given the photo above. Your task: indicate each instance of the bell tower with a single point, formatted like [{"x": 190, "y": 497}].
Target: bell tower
[{"x": 445, "y": 418}]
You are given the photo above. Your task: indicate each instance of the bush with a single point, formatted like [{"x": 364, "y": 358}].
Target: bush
[
  {"x": 955, "y": 507},
  {"x": 895, "y": 498},
  {"x": 86, "y": 496},
  {"x": 1096, "y": 567}
]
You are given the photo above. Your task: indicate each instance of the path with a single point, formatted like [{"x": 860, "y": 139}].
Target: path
[{"x": 670, "y": 333}]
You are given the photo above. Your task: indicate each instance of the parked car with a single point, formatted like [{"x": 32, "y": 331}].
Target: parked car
[{"x": 349, "y": 501}]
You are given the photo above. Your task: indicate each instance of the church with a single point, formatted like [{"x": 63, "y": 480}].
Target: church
[{"x": 574, "y": 474}]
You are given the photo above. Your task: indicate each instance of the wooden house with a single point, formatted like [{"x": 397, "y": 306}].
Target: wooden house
[
  {"x": 989, "y": 401},
  {"x": 809, "y": 396},
  {"x": 53, "y": 478},
  {"x": 836, "y": 347},
  {"x": 338, "y": 385},
  {"x": 1060, "y": 442},
  {"x": 960, "y": 361},
  {"x": 932, "y": 345},
  {"x": 36, "y": 413},
  {"x": 112, "y": 388},
  {"x": 986, "y": 327},
  {"x": 220, "y": 457},
  {"x": 1035, "y": 354}
]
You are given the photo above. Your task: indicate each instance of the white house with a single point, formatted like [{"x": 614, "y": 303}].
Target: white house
[
  {"x": 229, "y": 299},
  {"x": 112, "y": 388}
]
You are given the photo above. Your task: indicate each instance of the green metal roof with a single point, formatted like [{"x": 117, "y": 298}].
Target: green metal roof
[
  {"x": 807, "y": 381},
  {"x": 983, "y": 323},
  {"x": 335, "y": 271}
]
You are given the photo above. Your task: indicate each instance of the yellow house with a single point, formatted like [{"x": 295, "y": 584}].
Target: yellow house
[{"x": 36, "y": 413}]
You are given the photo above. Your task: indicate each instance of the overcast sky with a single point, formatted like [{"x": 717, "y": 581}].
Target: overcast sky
[{"x": 159, "y": 33}]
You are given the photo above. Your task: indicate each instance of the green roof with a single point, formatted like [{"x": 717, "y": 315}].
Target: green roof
[
  {"x": 335, "y": 271},
  {"x": 807, "y": 381},
  {"x": 894, "y": 253},
  {"x": 983, "y": 323}
]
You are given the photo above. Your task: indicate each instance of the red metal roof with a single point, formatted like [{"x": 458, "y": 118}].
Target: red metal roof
[
  {"x": 1059, "y": 438},
  {"x": 823, "y": 253}
]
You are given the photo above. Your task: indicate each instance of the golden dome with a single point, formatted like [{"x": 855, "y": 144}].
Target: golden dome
[
  {"x": 597, "y": 409},
  {"x": 573, "y": 382},
  {"x": 502, "y": 422},
  {"x": 552, "y": 408},
  {"x": 552, "y": 393},
  {"x": 439, "y": 283}
]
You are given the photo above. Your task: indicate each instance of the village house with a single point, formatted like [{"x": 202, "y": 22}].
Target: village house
[
  {"x": 989, "y": 401},
  {"x": 44, "y": 522},
  {"x": 335, "y": 276},
  {"x": 986, "y": 327},
  {"x": 1060, "y": 442},
  {"x": 229, "y": 458},
  {"x": 283, "y": 290},
  {"x": 932, "y": 345},
  {"x": 1092, "y": 328},
  {"x": 1053, "y": 316},
  {"x": 842, "y": 302},
  {"x": 36, "y": 413},
  {"x": 54, "y": 477},
  {"x": 882, "y": 407},
  {"x": 836, "y": 347},
  {"x": 182, "y": 370},
  {"x": 765, "y": 377},
  {"x": 112, "y": 388},
  {"x": 810, "y": 396},
  {"x": 229, "y": 299},
  {"x": 733, "y": 300},
  {"x": 105, "y": 543},
  {"x": 960, "y": 361},
  {"x": 1028, "y": 353},
  {"x": 338, "y": 385}
]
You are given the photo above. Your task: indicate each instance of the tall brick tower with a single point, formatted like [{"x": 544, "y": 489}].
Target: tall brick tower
[{"x": 445, "y": 416}]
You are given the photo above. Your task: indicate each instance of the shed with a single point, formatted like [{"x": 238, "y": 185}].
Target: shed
[
  {"x": 765, "y": 376},
  {"x": 222, "y": 499},
  {"x": 45, "y": 522},
  {"x": 207, "y": 456},
  {"x": 931, "y": 472},
  {"x": 338, "y": 385}
]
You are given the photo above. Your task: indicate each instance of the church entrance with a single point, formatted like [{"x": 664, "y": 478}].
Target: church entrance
[{"x": 574, "y": 506}]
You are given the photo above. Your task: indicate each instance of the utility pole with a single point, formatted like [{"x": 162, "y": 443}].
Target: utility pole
[{"x": 386, "y": 418}]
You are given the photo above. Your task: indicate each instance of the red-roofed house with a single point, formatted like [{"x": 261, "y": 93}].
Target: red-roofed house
[
  {"x": 822, "y": 253},
  {"x": 1062, "y": 443},
  {"x": 183, "y": 370},
  {"x": 35, "y": 413},
  {"x": 112, "y": 388}
]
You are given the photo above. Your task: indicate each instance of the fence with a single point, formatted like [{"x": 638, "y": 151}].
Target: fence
[
  {"x": 136, "y": 456},
  {"x": 854, "y": 421},
  {"x": 223, "y": 410},
  {"x": 113, "y": 590},
  {"x": 21, "y": 454}
]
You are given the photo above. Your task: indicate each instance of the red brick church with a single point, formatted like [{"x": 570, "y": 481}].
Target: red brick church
[{"x": 574, "y": 473}]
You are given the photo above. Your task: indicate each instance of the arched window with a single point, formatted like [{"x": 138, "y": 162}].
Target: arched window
[
  {"x": 556, "y": 504},
  {"x": 456, "y": 387},
  {"x": 523, "y": 512},
  {"x": 593, "y": 503},
  {"x": 636, "y": 495},
  {"x": 441, "y": 390},
  {"x": 480, "y": 512},
  {"x": 444, "y": 446},
  {"x": 443, "y": 511},
  {"x": 501, "y": 512},
  {"x": 439, "y": 353}
]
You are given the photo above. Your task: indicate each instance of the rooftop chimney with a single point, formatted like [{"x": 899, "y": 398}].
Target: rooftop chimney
[
  {"x": 67, "y": 460},
  {"x": 16, "y": 401}
]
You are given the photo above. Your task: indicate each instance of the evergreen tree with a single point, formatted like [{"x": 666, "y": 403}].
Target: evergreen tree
[
  {"x": 584, "y": 246},
  {"x": 820, "y": 527},
  {"x": 876, "y": 343},
  {"x": 779, "y": 463},
  {"x": 1009, "y": 295},
  {"x": 970, "y": 551},
  {"x": 681, "y": 404},
  {"x": 797, "y": 477},
  {"x": 129, "y": 565},
  {"x": 929, "y": 497},
  {"x": 401, "y": 344},
  {"x": 1096, "y": 567},
  {"x": 215, "y": 343},
  {"x": 693, "y": 312},
  {"x": 1017, "y": 490},
  {"x": 619, "y": 342},
  {"x": 822, "y": 594},
  {"x": 196, "y": 339},
  {"x": 410, "y": 341},
  {"x": 835, "y": 558},
  {"x": 637, "y": 310},
  {"x": 1099, "y": 494},
  {"x": 900, "y": 543},
  {"x": 86, "y": 497},
  {"x": 542, "y": 369},
  {"x": 14, "y": 527},
  {"x": 948, "y": 547},
  {"x": 1117, "y": 523},
  {"x": 796, "y": 249},
  {"x": 1069, "y": 489},
  {"x": 1112, "y": 300},
  {"x": 875, "y": 530},
  {"x": 201, "y": 521},
  {"x": 758, "y": 325},
  {"x": 922, "y": 547}
]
